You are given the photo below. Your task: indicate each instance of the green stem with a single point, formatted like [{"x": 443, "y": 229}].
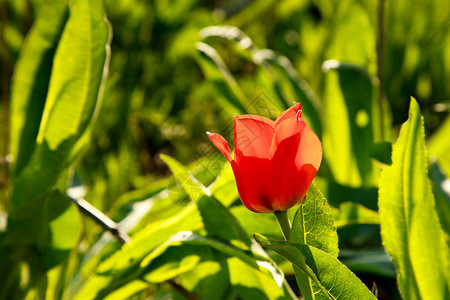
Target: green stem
[
  {"x": 284, "y": 222},
  {"x": 302, "y": 279}
]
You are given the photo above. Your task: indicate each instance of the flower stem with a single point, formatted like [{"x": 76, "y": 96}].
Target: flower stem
[
  {"x": 284, "y": 222},
  {"x": 303, "y": 280}
]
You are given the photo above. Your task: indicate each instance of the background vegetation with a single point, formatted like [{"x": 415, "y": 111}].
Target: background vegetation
[{"x": 76, "y": 115}]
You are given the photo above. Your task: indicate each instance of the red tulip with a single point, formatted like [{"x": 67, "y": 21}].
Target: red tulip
[{"x": 275, "y": 162}]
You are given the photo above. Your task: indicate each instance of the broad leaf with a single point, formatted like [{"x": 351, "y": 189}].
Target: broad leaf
[
  {"x": 348, "y": 124},
  {"x": 314, "y": 224},
  {"x": 410, "y": 226},
  {"x": 31, "y": 79},
  {"x": 333, "y": 278},
  {"x": 78, "y": 73}
]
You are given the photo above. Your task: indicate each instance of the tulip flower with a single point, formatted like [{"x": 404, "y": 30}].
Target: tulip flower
[{"x": 275, "y": 161}]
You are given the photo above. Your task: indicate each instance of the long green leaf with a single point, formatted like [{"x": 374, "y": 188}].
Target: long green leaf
[
  {"x": 348, "y": 124},
  {"x": 334, "y": 279},
  {"x": 79, "y": 70},
  {"x": 314, "y": 226},
  {"x": 31, "y": 79},
  {"x": 409, "y": 224}
]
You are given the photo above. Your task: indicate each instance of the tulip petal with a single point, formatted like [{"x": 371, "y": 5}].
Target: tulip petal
[
  {"x": 252, "y": 136},
  {"x": 253, "y": 183},
  {"x": 287, "y": 114},
  {"x": 295, "y": 154},
  {"x": 220, "y": 144}
]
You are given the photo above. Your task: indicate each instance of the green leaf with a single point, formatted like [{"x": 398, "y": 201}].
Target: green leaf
[
  {"x": 353, "y": 37},
  {"x": 348, "y": 124},
  {"x": 409, "y": 223},
  {"x": 313, "y": 223},
  {"x": 333, "y": 278},
  {"x": 124, "y": 265},
  {"x": 188, "y": 237},
  {"x": 174, "y": 261},
  {"x": 262, "y": 223},
  {"x": 209, "y": 280},
  {"x": 220, "y": 223},
  {"x": 79, "y": 70},
  {"x": 128, "y": 290},
  {"x": 31, "y": 79},
  {"x": 224, "y": 187},
  {"x": 185, "y": 179},
  {"x": 250, "y": 284}
]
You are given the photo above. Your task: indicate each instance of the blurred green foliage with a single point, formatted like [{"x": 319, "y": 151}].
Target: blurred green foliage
[{"x": 177, "y": 69}]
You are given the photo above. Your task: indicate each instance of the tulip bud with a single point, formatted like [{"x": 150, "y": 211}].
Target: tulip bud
[{"x": 275, "y": 161}]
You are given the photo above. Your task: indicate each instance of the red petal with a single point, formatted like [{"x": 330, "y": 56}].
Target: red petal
[
  {"x": 254, "y": 185},
  {"x": 252, "y": 136},
  {"x": 288, "y": 113},
  {"x": 310, "y": 149},
  {"x": 296, "y": 154},
  {"x": 220, "y": 144}
]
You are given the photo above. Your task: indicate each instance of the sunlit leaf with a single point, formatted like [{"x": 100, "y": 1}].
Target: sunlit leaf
[
  {"x": 353, "y": 39},
  {"x": 348, "y": 124},
  {"x": 322, "y": 268},
  {"x": 250, "y": 284},
  {"x": 313, "y": 225},
  {"x": 409, "y": 223},
  {"x": 79, "y": 70},
  {"x": 31, "y": 80}
]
